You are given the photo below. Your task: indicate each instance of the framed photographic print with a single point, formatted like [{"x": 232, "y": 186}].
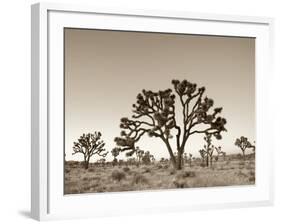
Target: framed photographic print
[{"x": 153, "y": 110}]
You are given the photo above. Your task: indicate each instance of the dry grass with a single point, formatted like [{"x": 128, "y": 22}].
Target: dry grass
[{"x": 156, "y": 176}]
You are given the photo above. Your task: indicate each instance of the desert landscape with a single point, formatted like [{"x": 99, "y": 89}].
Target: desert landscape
[
  {"x": 154, "y": 111},
  {"x": 154, "y": 114},
  {"x": 106, "y": 177}
]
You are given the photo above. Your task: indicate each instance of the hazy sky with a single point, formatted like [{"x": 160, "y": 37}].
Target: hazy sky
[{"x": 105, "y": 70}]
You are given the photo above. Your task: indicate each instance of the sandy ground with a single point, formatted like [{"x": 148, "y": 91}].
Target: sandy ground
[{"x": 156, "y": 176}]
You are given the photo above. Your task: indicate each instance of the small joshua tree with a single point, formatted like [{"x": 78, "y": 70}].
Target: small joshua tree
[
  {"x": 140, "y": 154},
  {"x": 220, "y": 153},
  {"x": 115, "y": 152},
  {"x": 203, "y": 155},
  {"x": 147, "y": 157},
  {"x": 243, "y": 143},
  {"x": 154, "y": 113},
  {"x": 89, "y": 145},
  {"x": 208, "y": 150}
]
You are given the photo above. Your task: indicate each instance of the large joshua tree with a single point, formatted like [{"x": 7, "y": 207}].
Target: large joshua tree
[
  {"x": 89, "y": 145},
  {"x": 155, "y": 114}
]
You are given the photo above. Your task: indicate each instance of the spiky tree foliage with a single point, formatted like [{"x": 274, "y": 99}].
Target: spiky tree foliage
[
  {"x": 220, "y": 152},
  {"x": 137, "y": 151},
  {"x": 115, "y": 152},
  {"x": 155, "y": 114},
  {"x": 89, "y": 145},
  {"x": 147, "y": 158},
  {"x": 243, "y": 143}
]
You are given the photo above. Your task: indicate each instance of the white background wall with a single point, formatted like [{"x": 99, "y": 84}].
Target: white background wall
[{"x": 15, "y": 110}]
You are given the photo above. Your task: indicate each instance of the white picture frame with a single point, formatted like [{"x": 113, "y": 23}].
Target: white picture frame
[{"x": 47, "y": 199}]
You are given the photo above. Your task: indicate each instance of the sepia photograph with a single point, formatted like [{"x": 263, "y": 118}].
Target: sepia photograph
[{"x": 150, "y": 111}]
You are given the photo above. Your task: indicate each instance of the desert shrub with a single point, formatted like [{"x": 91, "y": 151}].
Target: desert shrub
[
  {"x": 248, "y": 167},
  {"x": 241, "y": 163},
  {"x": 252, "y": 179},
  {"x": 118, "y": 175},
  {"x": 172, "y": 172},
  {"x": 241, "y": 174},
  {"x": 252, "y": 173},
  {"x": 120, "y": 187},
  {"x": 72, "y": 164},
  {"x": 95, "y": 178},
  {"x": 202, "y": 164},
  {"x": 166, "y": 166},
  {"x": 159, "y": 166},
  {"x": 72, "y": 184},
  {"x": 126, "y": 169},
  {"x": 86, "y": 188},
  {"x": 67, "y": 170},
  {"x": 252, "y": 163},
  {"x": 221, "y": 168},
  {"x": 73, "y": 191},
  {"x": 91, "y": 169},
  {"x": 86, "y": 178},
  {"x": 139, "y": 179},
  {"x": 180, "y": 182},
  {"x": 146, "y": 170},
  {"x": 186, "y": 174},
  {"x": 101, "y": 189}
]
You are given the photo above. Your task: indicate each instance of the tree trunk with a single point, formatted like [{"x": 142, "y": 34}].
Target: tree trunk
[
  {"x": 243, "y": 151},
  {"x": 174, "y": 163},
  {"x": 207, "y": 159},
  {"x": 173, "y": 159},
  {"x": 86, "y": 162},
  {"x": 179, "y": 161},
  {"x": 114, "y": 162}
]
